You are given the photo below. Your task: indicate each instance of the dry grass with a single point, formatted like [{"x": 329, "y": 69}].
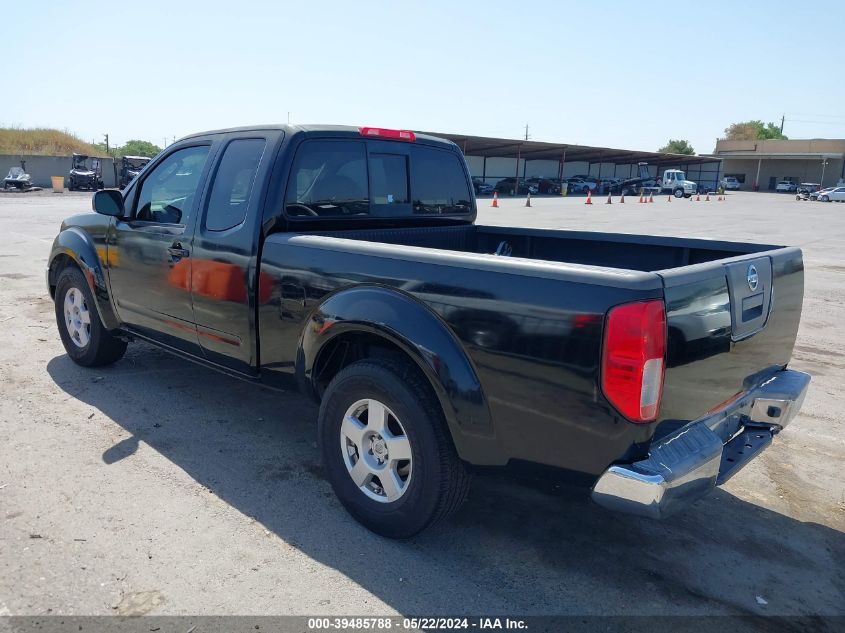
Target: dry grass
[{"x": 44, "y": 142}]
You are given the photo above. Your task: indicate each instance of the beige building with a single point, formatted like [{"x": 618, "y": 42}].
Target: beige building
[{"x": 768, "y": 162}]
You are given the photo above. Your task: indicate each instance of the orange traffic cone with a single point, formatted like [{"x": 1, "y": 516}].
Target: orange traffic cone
[
  {"x": 609, "y": 201},
  {"x": 642, "y": 196},
  {"x": 495, "y": 199},
  {"x": 622, "y": 197},
  {"x": 589, "y": 197},
  {"x": 669, "y": 199},
  {"x": 528, "y": 200},
  {"x": 698, "y": 197},
  {"x": 707, "y": 197},
  {"x": 651, "y": 197}
]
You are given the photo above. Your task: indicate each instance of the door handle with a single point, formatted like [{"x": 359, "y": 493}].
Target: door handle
[{"x": 177, "y": 252}]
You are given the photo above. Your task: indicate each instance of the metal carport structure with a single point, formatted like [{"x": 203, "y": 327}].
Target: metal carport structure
[{"x": 479, "y": 150}]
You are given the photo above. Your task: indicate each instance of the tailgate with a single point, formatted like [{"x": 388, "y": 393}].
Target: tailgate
[{"x": 731, "y": 324}]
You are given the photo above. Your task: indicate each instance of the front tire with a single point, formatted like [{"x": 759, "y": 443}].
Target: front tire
[
  {"x": 386, "y": 448},
  {"x": 679, "y": 193},
  {"x": 824, "y": 198},
  {"x": 86, "y": 340}
]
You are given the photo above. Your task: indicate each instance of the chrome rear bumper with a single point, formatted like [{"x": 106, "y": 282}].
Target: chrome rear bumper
[{"x": 687, "y": 464}]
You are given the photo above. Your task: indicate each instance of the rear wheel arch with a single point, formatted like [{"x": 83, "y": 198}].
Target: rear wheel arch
[
  {"x": 369, "y": 322},
  {"x": 363, "y": 342}
]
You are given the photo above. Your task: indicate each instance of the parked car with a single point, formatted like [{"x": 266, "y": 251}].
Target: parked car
[
  {"x": 836, "y": 194},
  {"x": 786, "y": 186},
  {"x": 482, "y": 188},
  {"x": 434, "y": 345},
  {"x": 591, "y": 181},
  {"x": 730, "y": 183},
  {"x": 579, "y": 185},
  {"x": 814, "y": 195},
  {"x": 545, "y": 185},
  {"x": 509, "y": 186}
]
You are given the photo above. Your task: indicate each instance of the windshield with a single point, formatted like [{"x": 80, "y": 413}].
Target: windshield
[{"x": 15, "y": 172}]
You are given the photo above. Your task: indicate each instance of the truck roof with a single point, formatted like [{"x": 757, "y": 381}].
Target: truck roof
[{"x": 310, "y": 128}]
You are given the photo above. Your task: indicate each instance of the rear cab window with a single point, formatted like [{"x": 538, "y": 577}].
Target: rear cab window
[
  {"x": 438, "y": 182},
  {"x": 337, "y": 178},
  {"x": 328, "y": 178}
]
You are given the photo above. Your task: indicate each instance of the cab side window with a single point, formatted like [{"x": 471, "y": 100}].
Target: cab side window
[
  {"x": 233, "y": 184},
  {"x": 167, "y": 194}
]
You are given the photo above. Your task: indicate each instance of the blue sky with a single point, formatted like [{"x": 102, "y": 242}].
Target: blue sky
[{"x": 619, "y": 74}]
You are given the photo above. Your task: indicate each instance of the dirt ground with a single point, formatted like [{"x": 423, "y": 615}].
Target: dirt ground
[{"x": 156, "y": 486}]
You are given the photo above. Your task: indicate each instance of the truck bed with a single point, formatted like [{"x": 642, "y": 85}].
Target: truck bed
[
  {"x": 532, "y": 323},
  {"x": 611, "y": 250}
]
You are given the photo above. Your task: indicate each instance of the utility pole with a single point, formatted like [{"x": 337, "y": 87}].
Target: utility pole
[
  {"x": 165, "y": 141},
  {"x": 782, "y": 120},
  {"x": 106, "y": 136},
  {"x": 526, "y": 131}
]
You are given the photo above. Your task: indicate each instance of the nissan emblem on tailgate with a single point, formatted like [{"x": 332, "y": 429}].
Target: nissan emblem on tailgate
[{"x": 753, "y": 279}]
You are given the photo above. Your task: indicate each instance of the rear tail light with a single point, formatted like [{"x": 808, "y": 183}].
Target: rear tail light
[
  {"x": 396, "y": 135},
  {"x": 633, "y": 359}
]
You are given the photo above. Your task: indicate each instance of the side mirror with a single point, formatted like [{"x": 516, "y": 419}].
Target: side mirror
[{"x": 108, "y": 202}]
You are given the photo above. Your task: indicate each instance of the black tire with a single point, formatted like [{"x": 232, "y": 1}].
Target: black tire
[
  {"x": 438, "y": 483},
  {"x": 101, "y": 348},
  {"x": 679, "y": 193}
]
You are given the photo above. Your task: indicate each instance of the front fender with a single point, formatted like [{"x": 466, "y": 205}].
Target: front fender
[
  {"x": 424, "y": 337},
  {"x": 79, "y": 246}
]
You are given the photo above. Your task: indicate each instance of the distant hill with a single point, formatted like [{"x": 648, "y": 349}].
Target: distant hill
[{"x": 44, "y": 142}]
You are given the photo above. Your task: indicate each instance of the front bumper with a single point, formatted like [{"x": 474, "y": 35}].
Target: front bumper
[{"x": 685, "y": 465}]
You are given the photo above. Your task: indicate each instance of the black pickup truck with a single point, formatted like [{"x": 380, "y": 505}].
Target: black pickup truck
[{"x": 346, "y": 262}]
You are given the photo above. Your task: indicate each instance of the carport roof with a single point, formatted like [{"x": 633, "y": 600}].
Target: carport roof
[
  {"x": 780, "y": 155},
  {"x": 538, "y": 150}
]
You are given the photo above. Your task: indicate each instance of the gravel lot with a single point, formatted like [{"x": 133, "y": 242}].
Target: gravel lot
[{"x": 156, "y": 486}]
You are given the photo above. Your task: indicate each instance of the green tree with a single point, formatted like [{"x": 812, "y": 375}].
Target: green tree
[
  {"x": 136, "y": 147},
  {"x": 753, "y": 131},
  {"x": 677, "y": 146},
  {"x": 101, "y": 148}
]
